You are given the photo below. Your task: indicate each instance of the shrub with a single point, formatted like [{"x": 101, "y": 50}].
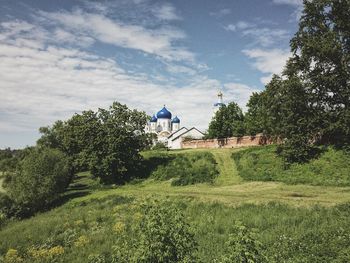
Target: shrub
[
  {"x": 243, "y": 246},
  {"x": 159, "y": 146},
  {"x": 164, "y": 235},
  {"x": 188, "y": 169},
  {"x": 40, "y": 178}
]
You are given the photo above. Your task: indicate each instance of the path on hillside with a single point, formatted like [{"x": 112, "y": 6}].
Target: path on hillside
[
  {"x": 227, "y": 167},
  {"x": 229, "y": 188}
]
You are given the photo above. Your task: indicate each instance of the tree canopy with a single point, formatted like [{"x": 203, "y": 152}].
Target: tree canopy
[
  {"x": 227, "y": 122},
  {"x": 106, "y": 142}
]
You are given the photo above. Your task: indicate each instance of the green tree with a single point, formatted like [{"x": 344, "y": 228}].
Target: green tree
[
  {"x": 321, "y": 59},
  {"x": 39, "y": 179},
  {"x": 227, "y": 122},
  {"x": 106, "y": 142}
]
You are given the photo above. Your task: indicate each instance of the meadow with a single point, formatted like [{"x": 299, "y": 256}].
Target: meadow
[{"x": 293, "y": 222}]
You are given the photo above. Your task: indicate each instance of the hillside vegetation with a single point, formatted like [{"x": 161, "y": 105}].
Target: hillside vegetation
[
  {"x": 103, "y": 229},
  {"x": 95, "y": 223},
  {"x": 186, "y": 169},
  {"x": 331, "y": 168}
]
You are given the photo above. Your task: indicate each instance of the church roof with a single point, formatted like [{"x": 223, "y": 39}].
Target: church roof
[
  {"x": 176, "y": 120},
  {"x": 153, "y": 119},
  {"x": 164, "y": 114}
]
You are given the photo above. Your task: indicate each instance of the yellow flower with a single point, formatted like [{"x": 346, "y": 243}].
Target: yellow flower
[
  {"x": 81, "y": 241},
  {"x": 12, "y": 256},
  {"x": 44, "y": 253},
  {"x": 56, "y": 251},
  {"x": 119, "y": 227}
]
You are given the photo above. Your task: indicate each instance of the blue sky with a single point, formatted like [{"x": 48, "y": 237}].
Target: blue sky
[{"x": 62, "y": 57}]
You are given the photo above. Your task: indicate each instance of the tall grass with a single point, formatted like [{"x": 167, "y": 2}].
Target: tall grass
[
  {"x": 91, "y": 229},
  {"x": 331, "y": 168}
]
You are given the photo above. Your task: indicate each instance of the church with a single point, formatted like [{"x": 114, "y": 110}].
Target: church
[{"x": 169, "y": 130}]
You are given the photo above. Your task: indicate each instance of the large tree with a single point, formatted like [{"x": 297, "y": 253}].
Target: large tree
[
  {"x": 227, "y": 122},
  {"x": 321, "y": 59},
  {"x": 107, "y": 142}
]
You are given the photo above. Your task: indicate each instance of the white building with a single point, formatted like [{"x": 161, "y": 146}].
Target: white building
[
  {"x": 176, "y": 138},
  {"x": 169, "y": 130}
]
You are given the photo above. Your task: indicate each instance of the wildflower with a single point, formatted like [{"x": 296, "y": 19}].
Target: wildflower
[
  {"x": 82, "y": 240},
  {"x": 12, "y": 256},
  {"x": 119, "y": 227}
]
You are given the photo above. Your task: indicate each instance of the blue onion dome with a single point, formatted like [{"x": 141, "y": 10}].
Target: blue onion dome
[
  {"x": 176, "y": 120},
  {"x": 164, "y": 114},
  {"x": 153, "y": 119}
]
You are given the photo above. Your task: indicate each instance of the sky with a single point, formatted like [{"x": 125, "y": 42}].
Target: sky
[{"x": 58, "y": 58}]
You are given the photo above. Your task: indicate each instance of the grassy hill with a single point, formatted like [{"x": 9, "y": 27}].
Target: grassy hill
[{"x": 294, "y": 222}]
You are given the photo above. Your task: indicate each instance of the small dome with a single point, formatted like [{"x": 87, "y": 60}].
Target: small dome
[
  {"x": 164, "y": 114},
  {"x": 219, "y": 104},
  {"x": 153, "y": 119},
  {"x": 176, "y": 120}
]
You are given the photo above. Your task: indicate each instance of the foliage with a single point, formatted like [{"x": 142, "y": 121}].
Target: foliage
[
  {"x": 159, "y": 146},
  {"x": 39, "y": 179},
  {"x": 310, "y": 103},
  {"x": 187, "y": 169},
  {"x": 164, "y": 235},
  {"x": 9, "y": 159},
  {"x": 243, "y": 246},
  {"x": 227, "y": 122},
  {"x": 321, "y": 59},
  {"x": 107, "y": 142},
  {"x": 263, "y": 164}
]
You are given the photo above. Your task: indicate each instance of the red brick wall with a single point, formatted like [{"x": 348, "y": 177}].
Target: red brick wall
[{"x": 233, "y": 142}]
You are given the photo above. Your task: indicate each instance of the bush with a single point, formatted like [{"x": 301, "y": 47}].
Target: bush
[
  {"x": 331, "y": 168},
  {"x": 188, "y": 169},
  {"x": 164, "y": 235},
  {"x": 39, "y": 179},
  {"x": 243, "y": 246},
  {"x": 159, "y": 146}
]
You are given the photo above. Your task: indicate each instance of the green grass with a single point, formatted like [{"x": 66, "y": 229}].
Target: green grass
[
  {"x": 295, "y": 222},
  {"x": 313, "y": 234},
  {"x": 331, "y": 168},
  {"x": 187, "y": 169}
]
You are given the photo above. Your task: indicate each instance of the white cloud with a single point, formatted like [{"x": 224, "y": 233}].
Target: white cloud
[
  {"x": 298, "y": 4},
  {"x": 230, "y": 27},
  {"x": 289, "y": 2},
  {"x": 166, "y": 12},
  {"x": 220, "y": 13},
  {"x": 158, "y": 42},
  {"x": 239, "y": 93},
  {"x": 262, "y": 36},
  {"x": 268, "y": 61}
]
